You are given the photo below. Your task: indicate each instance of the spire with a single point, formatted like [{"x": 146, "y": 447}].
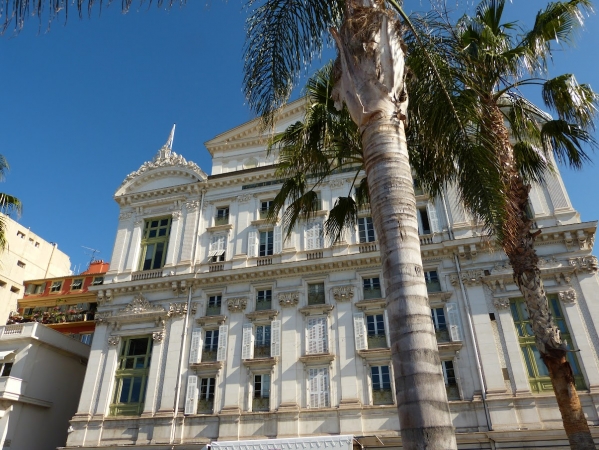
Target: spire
[
  {"x": 166, "y": 150},
  {"x": 171, "y": 137}
]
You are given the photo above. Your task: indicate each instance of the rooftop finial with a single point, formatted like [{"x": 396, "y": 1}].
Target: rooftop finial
[{"x": 171, "y": 137}]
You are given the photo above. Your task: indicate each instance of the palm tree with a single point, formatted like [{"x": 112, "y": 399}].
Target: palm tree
[
  {"x": 8, "y": 205},
  {"x": 370, "y": 82},
  {"x": 503, "y": 142}
]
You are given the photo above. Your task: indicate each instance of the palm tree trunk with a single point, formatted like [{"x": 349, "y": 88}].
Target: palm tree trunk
[
  {"x": 518, "y": 244},
  {"x": 370, "y": 81},
  {"x": 424, "y": 415}
]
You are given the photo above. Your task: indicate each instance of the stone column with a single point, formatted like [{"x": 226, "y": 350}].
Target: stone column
[
  {"x": 121, "y": 243},
  {"x": 134, "y": 246},
  {"x": 154, "y": 375},
  {"x": 106, "y": 381},
  {"x": 172, "y": 255},
  {"x": 94, "y": 372},
  {"x": 190, "y": 233},
  {"x": 166, "y": 402}
]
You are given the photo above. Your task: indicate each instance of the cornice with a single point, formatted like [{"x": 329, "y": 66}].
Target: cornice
[{"x": 177, "y": 192}]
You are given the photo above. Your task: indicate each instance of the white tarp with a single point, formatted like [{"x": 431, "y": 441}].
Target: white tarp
[{"x": 344, "y": 442}]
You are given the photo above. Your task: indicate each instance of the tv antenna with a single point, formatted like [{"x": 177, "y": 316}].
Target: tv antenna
[{"x": 91, "y": 251}]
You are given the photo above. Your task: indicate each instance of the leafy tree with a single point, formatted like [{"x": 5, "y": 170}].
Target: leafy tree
[
  {"x": 8, "y": 205},
  {"x": 503, "y": 143}
]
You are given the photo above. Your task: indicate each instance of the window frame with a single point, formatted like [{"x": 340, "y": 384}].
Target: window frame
[
  {"x": 56, "y": 286},
  {"x": 214, "y": 304},
  {"x": 385, "y": 394},
  {"x": 81, "y": 281},
  {"x": 122, "y": 373},
  {"x": 266, "y": 248},
  {"x": 366, "y": 232},
  {"x": 265, "y": 298},
  {"x": 94, "y": 282},
  {"x": 148, "y": 240},
  {"x": 258, "y": 394},
  {"x": 221, "y": 215},
  {"x": 369, "y": 285}
]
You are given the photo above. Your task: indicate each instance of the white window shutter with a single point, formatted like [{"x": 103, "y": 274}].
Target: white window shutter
[
  {"x": 313, "y": 387},
  {"x": 360, "y": 331},
  {"x": 433, "y": 219},
  {"x": 324, "y": 388},
  {"x": 535, "y": 200},
  {"x": 387, "y": 329},
  {"x": 191, "y": 399},
  {"x": 221, "y": 352},
  {"x": 453, "y": 317},
  {"x": 420, "y": 227},
  {"x": 247, "y": 345},
  {"x": 252, "y": 244},
  {"x": 278, "y": 240},
  {"x": 308, "y": 241},
  {"x": 195, "y": 347},
  {"x": 275, "y": 338},
  {"x": 317, "y": 335},
  {"x": 318, "y": 235}
]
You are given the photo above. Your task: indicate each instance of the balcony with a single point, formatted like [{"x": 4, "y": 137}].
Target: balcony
[
  {"x": 316, "y": 298},
  {"x": 442, "y": 335},
  {"x": 206, "y": 405},
  {"x": 262, "y": 351},
  {"x": 368, "y": 247},
  {"x": 377, "y": 341},
  {"x": 453, "y": 393},
  {"x": 433, "y": 286},
  {"x": 370, "y": 293},
  {"x": 213, "y": 310},
  {"x": 382, "y": 397},
  {"x": 146, "y": 274},
  {"x": 223, "y": 220},
  {"x": 260, "y": 404},
  {"x": 264, "y": 261},
  {"x": 263, "y": 305},
  {"x": 208, "y": 356},
  {"x": 216, "y": 267}
]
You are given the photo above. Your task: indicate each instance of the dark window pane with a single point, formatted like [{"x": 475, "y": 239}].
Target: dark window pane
[
  {"x": 136, "y": 389},
  {"x": 125, "y": 390},
  {"x": 138, "y": 346}
]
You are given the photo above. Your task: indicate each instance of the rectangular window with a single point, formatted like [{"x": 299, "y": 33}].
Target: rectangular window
[
  {"x": 222, "y": 216},
  {"x": 77, "y": 284},
  {"x": 14, "y": 289},
  {"x": 56, "y": 286},
  {"x": 87, "y": 338},
  {"x": 218, "y": 248},
  {"x": 538, "y": 375},
  {"x": 206, "y": 400},
  {"x": 98, "y": 281},
  {"x": 316, "y": 294},
  {"x": 372, "y": 288},
  {"x": 210, "y": 349},
  {"x": 30, "y": 289},
  {"x": 263, "y": 299},
  {"x": 366, "y": 230},
  {"x": 265, "y": 206},
  {"x": 154, "y": 244},
  {"x": 317, "y": 202},
  {"x": 381, "y": 385},
  {"x": 261, "y": 400},
  {"x": 5, "y": 369},
  {"x": 214, "y": 305},
  {"x": 425, "y": 227},
  {"x": 318, "y": 385},
  {"x": 20, "y": 234},
  {"x": 451, "y": 384},
  {"x": 313, "y": 236},
  {"x": 21, "y": 264},
  {"x": 317, "y": 336},
  {"x": 266, "y": 245},
  {"x": 432, "y": 281},
  {"x": 37, "y": 244},
  {"x": 438, "y": 316},
  {"x": 417, "y": 187},
  {"x": 132, "y": 376},
  {"x": 262, "y": 342},
  {"x": 375, "y": 329}
]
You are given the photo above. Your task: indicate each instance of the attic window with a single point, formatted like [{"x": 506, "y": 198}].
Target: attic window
[
  {"x": 14, "y": 289},
  {"x": 20, "y": 234},
  {"x": 21, "y": 264}
]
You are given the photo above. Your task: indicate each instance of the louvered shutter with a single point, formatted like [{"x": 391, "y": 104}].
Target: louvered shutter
[
  {"x": 278, "y": 240},
  {"x": 191, "y": 399},
  {"x": 221, "y": 353},
  {"x": 453, "y": 317},
  {"x": 313, "y": 387},
  {"x": 433, "y": 219},
  {"x": 535, "y": 200},
  {"x": 275, "y": 338},
  {"x": 252, "y": 244},
  {"x": 324, "y": 388},
  {"x": 387, "y": 329},
  {"x": 317, "y": 235},
  {"x": 360, "y": 331},
  {"x": 247, "y": 345},
  {"x": 308, "y": 240},
  {"x": 213, "y": 246},
  {"x": 195, "y": 347},
  {"x": 420, "y": 227},
  {"x": 317, "y": 335}
]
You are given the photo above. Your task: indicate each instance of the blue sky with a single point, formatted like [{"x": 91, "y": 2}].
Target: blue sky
[{"x": 87, "y": 103}]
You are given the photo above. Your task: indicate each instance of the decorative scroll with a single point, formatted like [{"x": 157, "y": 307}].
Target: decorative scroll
[
  {"x": 158, "y": 336},
  {"x": 139, "y": 304},
  {"x": 588, "y": 263},
  {"x": 237, "y": 304},
  {"x": 568, "y": 296},
  {"x": 343, "y": 293},
  {"x": 177, "y": 309},
  {"x": 288, "y": 298},
  {"x": 501, "y": 303},
  {"x": 113, "y": 340}
]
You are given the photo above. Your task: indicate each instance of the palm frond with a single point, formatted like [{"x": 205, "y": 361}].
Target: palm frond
[
  {"x": 342, "y": 216},
  {"x": 16, "y": 12},
  {"x": 573, "y": 102},
  {"x": 566, "y": 141},
  {"x": 283, "y": 37}
]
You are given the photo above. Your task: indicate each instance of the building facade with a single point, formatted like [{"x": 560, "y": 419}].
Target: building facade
[
  {"x": 27, "y": 256},
  {"x": 41, "y": 375},
  {"x": 213, "y": 327},
  {"x": 64, "y": 304}
]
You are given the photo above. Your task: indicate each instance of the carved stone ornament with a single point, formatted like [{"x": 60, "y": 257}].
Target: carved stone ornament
[
  {"x": 343, "y": 293},
  {"x": 163, "y": 159},
  {"x": 125, "y": 215},
  {"x": 334, "y": 184},
  {"x": 101, "y": 317},
  {"x": 113, "y": 340},
  {"x": 139, "y": 304},
  {"x": 589, "y": 263},
  {"x": 501, "y": 303},
  {"x": 237, "y": 304},
  {"x": 176, "y": 214},
  {"x": 468, "y": 277},
  {"x": 245, "y": 198},
  {"x": 502, "y": 267},
  {"x": 177, "y": 309},
  {"x": 568, "y": 296},
  {"x": 192, "y": 205},
  {"x": 288, "y": 298},
  {"x": 158, "y": 336}
]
